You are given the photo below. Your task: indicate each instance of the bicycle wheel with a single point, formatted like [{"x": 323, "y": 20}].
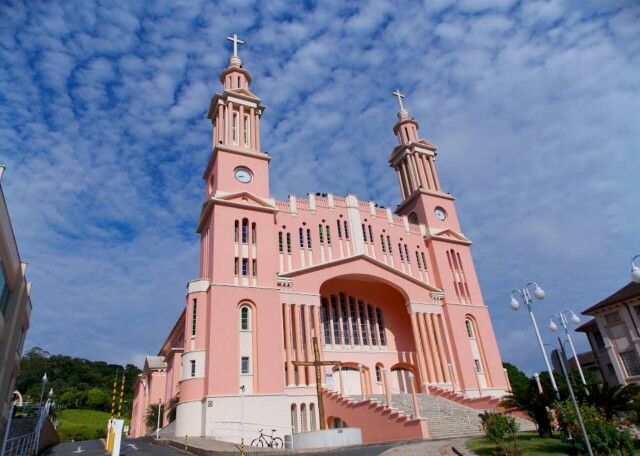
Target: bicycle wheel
[
  {"x": 257, "y": 442},
  {"x": 277, "y": 443}
]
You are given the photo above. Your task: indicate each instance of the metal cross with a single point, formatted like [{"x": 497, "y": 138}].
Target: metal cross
[
  {"x": 235, "y": 40},
  {"x": 317, "y": 363},
  {"x": 400, "y": 97}
]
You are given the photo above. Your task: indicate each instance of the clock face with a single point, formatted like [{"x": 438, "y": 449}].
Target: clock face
[
  {"x": 243, "y": 175},
  {"x": 440, "y": 213}
]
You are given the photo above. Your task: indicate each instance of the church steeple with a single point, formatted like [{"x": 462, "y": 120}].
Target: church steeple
[
  {"x": 413, "y": 158},
  {"x": 235, "y": 115}
]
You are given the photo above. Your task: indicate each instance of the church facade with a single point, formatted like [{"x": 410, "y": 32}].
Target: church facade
[{"x": 392, "y": 296}]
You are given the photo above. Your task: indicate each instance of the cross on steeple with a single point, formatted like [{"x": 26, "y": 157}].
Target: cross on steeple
[
  {"x": 235, "y": 40},
  {"x": 400, "y": 97}
]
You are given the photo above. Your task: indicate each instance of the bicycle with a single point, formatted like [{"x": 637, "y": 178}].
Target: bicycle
[{"x": 272, "y": 442}]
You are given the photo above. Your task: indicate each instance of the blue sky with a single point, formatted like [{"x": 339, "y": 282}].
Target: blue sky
[{"x": 534, "y": 107}]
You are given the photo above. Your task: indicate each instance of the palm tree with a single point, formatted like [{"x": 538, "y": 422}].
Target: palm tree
[
  {"x": 612, "y": 400},
  {"x": 151, "y": 417},
  {"x": 534, "y": 404}
]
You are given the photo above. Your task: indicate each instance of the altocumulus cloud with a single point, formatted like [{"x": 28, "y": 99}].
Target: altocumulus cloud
[{"x": 534, "y": 106}]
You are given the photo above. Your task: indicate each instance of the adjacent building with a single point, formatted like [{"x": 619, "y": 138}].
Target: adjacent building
[
  {"x": 614, "y": 335},
  {"x": 392, "y": 295},
  {"x": 15, "y": 307}
]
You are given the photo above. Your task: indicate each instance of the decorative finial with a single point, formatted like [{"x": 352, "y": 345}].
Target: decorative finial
[
  {"x": 402, "y": 113},
  {"x": 234, "y": 60}
]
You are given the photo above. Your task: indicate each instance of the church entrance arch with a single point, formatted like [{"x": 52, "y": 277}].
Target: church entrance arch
[{"x": 401, "y": 381}]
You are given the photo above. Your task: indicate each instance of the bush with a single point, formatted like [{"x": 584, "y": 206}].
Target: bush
[
  {"x": 500, "y": 428},
  {"x": 606, "y": 436}
]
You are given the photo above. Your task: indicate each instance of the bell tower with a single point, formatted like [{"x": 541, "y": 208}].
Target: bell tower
[
  {"x": 237, "y": 163},
  {"x": 413, "y": 159}
]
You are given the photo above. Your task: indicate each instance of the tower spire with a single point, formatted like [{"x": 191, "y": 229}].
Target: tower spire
[
  {"x": 234, "y": 60},
  {"x": 402, "y": 113}
]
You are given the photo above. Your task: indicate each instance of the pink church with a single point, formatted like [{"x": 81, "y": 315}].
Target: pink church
[{"x": 392, "y": 296}]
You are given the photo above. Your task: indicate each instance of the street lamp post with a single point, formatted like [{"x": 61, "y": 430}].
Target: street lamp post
[
  {"x": 573, "y": 398},
  {"x": 44, "y": 382},
  {"x": 241, "y": 420},
  {"x": 158, "y": 426},
  {"x": 526, "y": 298},
  {"x": 635, "y": 270},
  {"x": 562, "y": 317}
]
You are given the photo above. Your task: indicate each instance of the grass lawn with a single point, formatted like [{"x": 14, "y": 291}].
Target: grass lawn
[
  {"x": 529, "y": 442},
  {"x": 78, "y": 424}
]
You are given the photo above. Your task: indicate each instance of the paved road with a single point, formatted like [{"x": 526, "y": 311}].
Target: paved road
[{"x": 130, "y": 447}]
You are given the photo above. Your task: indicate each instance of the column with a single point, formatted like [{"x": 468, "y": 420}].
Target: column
[
  {"x": 220, "y": 125},
  {"x": 387, "y": 387},
  {"x": 416, "y": 406},
  {"x": 443, "y": 357},
  {"x": 258, "y": 132},
  {"x": 362, "y": 384},
  {"x": 412, "y": 172},
  {"x": 434, "y": 349},
  {"x": 402, "y": 190},
  {"x": 298, "y": 339},
  {"x": 448, "y": 350},
  {"x": 318, "y": 329},
  {"x": 416, "y": 338},
  {"x": 403, "y": 170},
  {"x": 241, "y": 126},
  {"x": 427, "y": 349},
  {"x": 229, "y": 122},
  {"x": 287, "y": 342},
  {"x": 421, "y": 170},
  {"x": 252, "y": 128},
  {"x": 307, "y": 335},
  {"x": 433, "y": 173},
  {"x": 427, "y": 172},
  {"x": 416, "y": 168}
]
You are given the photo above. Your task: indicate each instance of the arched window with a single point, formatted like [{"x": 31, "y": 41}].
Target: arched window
[
  {"x": 301, "y": 236},
  {"x": 424, "y": 261},
  {"x": 320, "y": 232},
  {"x": 254, "y": 233},
  {"x": 339, "y": 232},
  {"x": 294, "y": 418},
  {"x": 413, "y": 218},
  {"x": 378, "y": 374},
  {"x": 406, "y": 253},
  {"x": 400, "y": 250},
  {"x": 384, "y": 249},
  {"x": 245, "y": 130},
  {"x": 245, "y": 230},
  {"x": 234, "y": 126},
  {"x": 245, "y": 318},
  {"x": 389, "y": 245},
  {"x": 309, "y": 238},
  {"x": 236, "y": 231},
  {"x": 346, "y": 230},
  {"x": 312, "y": 416},
  {"x": 303, "y": 417},
  {"x": 238, "y": 81},
  {"x": 280, "y": 241},
  {"x": 288, "y": 242},
  {"x": 370, "y": 234},
  {"x": 372, "y": 325},
  {"x": 383, "y": 336},
  {"x": 328, "y": 235},
  {"x": 469, "y": 325}
]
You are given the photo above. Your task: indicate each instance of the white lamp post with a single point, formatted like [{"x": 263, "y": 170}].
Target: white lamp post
[
  {"x": 44, "y": 382},
  {"x": 158, "y": 425},
  {"x": 635, "y": 270},
  {"x": 539, "y": 293},
  {"x": 562, "y": 317}
]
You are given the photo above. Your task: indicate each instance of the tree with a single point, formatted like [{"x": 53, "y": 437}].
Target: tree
[
  {"x": 172, "y": 408},
  {"x": 517, "y": 379},
  {"x": 534, "y": 404},
  {"x": 97, "y": 399},
  {"x": 611, "y": 400},
  {"x": 151, "y": 417}
]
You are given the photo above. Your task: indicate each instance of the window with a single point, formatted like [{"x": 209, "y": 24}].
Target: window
[
  {"x": 328, "y": 235},
  {"x": 354, "y": 321},
  {"x": 413, "y": 218},
  {"x": 378, "y": 374},
  {"x": 336, "y": 322},
  {"x": 294, "y": 418},
  {"x": 280, "y": 241},
  {"x": 345, "y": 320},
  {"x": 372, "y": 326},
  {"x": 309, "y": 238},
  {"x": 469, "y": 327},
  {"x": 400, "y": 250},
  {"x": 384, "y": 248},
  {"x": 193, "y": 368},
  {"x": 383, "y": 337},
  {"x": 245, "y": 232},
  {"x": 363, "y": 324},
  {"x": 325, "y": 321},
  {"x": 406, "y": 253},
  {"x": 254, "y": 234},
  {"x": 418, "y": 261},
  {"x": 389, "y": 245},
  {"x": 289, "y": 243},
  {"x": 339, "y": 229},
  {"x": 245, "y": 127},
  {"x": 234, "y": 126},
  {"x": 245, "y": 266},
  {"x": 238, "y": 81},
  {"x": 236, "y": 231},
  {"x": 370, "y": 234},
  {"x": 301, "y": 237},
  {"x": 346, "y": 230},
  {"x": 630, "y": 360},
  {"x": 236, "y": 266},
  {"x": 244, "y": 319},
  {"x": 244, "y": 365},
  {"x": 254, "y": 267},
  {"x": 364, "y": 233},
  {"x": 612, "y": 318},
  {"x": 194, "y": 313},
  {"x": 477, "y": 365},
  {"x": 597, "y": 336},
  {"x": 424, "y": 261},
  {"x": 321, "y": 235}
]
